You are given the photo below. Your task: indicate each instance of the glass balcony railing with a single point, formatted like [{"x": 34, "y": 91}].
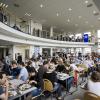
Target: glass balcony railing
[{"x": 24, "y": 25}]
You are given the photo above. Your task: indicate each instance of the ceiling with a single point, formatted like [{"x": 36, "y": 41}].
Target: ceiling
[{"x": 63, "y": 15}]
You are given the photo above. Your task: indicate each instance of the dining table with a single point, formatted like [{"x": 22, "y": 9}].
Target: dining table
[
  {"x": 17, "y": 92},
  {"x": 65, "y": 79}
]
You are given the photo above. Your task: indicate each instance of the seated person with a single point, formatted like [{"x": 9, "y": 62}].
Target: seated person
[
  {"x": 74, "y": 67},
  {"x": 38, "y": 79},
  {"x": 60, "y": 67},
  {"x": 29, "y": 66},
  {"x": 94, "y": 83},
  {"x": 23, "y": 73},
  {"x": 15, "y": 70},
  {"x": 3, "y": 87},
  {"x": 51, "y": 75},
  {"x": 33, "y": 77}
]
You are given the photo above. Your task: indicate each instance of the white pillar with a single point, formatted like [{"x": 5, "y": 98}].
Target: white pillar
[
  {"x": 51, "y": 52},
  {"x": 4, "y": 54},
  {"x": 31, "y": 51},
  {"x": 51, "y": 31},
  {"x": 13, "y": 52},
  {"x": 83, "y": 52}
]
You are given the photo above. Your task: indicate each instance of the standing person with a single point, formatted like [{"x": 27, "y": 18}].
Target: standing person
[
  {"x": 8, "y": 59},
  {"x": 19, "y": 58}
]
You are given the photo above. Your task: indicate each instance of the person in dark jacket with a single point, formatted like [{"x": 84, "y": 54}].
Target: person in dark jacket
[
  {"x": 61, "y": 67},
  {"x": 39, "y": 80}
]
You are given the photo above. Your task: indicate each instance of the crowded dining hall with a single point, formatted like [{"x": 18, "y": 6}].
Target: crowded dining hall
[
  {"x": 49, "y": 49},
  {"x": 56, "y": 77}
]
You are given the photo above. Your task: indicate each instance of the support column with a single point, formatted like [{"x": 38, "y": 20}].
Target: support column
[
  {"x": 51, "y": 52},
  {"x": 51, "y": 31},
  {"x": 13, "y": 52},
  {"x": 75, "y": 51},
  {"x": 82, "y": 51},
  {"x": 31, "y": 51}
]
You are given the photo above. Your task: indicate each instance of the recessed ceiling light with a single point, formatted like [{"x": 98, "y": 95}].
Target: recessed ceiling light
[
  {"x": 94, "y": 12},
  {"x": 68, "y": 20},
  {"x": 57, "y": 14},
  {"x": 70, "y": 9},
  {"x": 41, "y": 6},
  {"x": 86, "y": 1},
  {"x": 6, "y": 6},
  {"x": 1, "y": 4},
  {"x": 79, "y": 17}
]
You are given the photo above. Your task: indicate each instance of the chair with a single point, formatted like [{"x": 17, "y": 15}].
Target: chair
[
  {"x": 91, "y": 96},
  {"x": 48, "y": 86}
]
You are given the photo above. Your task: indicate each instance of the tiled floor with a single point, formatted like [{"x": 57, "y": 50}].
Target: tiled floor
[{"x": 76, "y": 95}]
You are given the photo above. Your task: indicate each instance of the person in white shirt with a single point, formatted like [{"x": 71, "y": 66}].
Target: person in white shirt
[
  {"x": 23, "y": 73},
  {"x": 35, "y": 64},
  {"x": 94, "y": 83},
  {"x": 74, "y": 67},
  {"x": 89, "y": 62},
  {"x": 8, "y": 59}
]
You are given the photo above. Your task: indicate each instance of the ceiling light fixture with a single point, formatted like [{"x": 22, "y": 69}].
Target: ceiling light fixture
[
  {"x": 95, "y": 13},
  {"x": 57, "y": 14},
  {"x": 41, "y": 6},
  {"x": 6, "y": 6},
  {"x": 70, "y": 9},
  {"x": 68, "y": 20},
  {"x": 79, "y": 17},
  {"x": 86, "y": 2},
  {"x": 3, "y": 5}
]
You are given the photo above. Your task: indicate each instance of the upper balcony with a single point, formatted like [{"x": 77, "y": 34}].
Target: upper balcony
[{"x": 20, "y": 31}]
